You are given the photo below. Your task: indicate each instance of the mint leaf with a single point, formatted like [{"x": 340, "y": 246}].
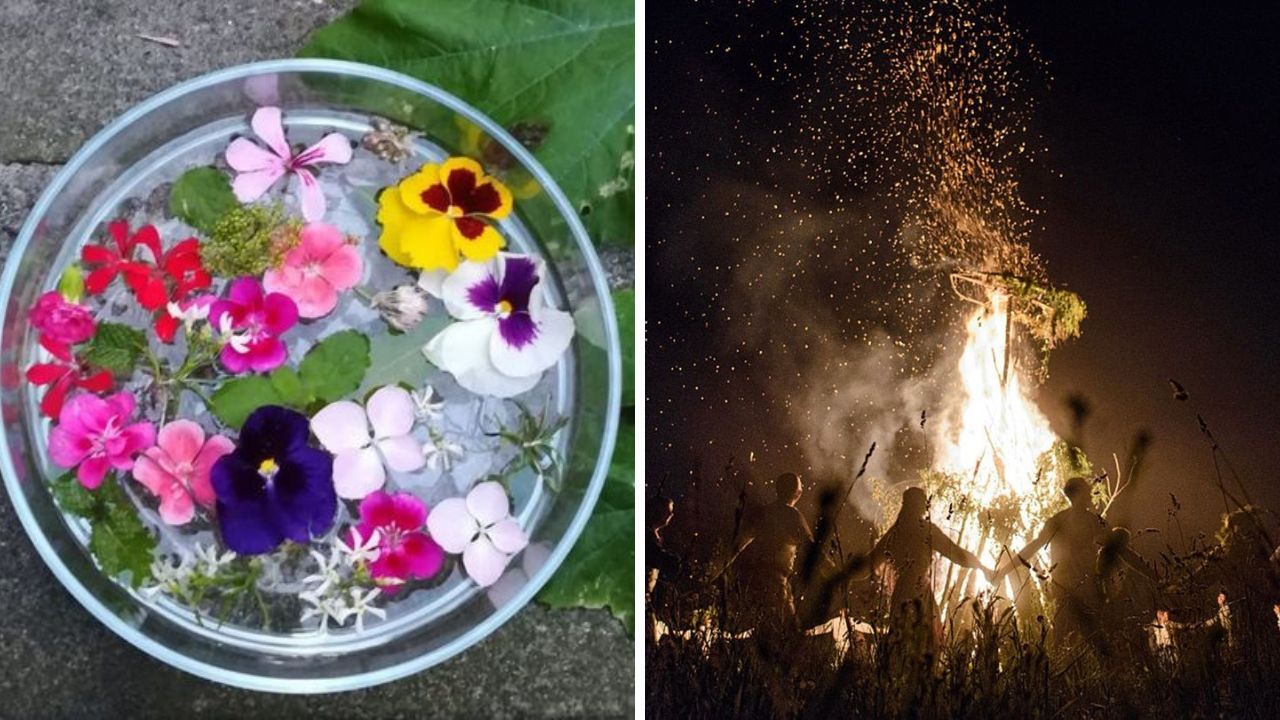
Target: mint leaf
[
  {"x": 71, "y": 496},
  {"x": 398, "y": 359},
  {"x": 119, "y": 541},
  {"x": 624, "y": 304},
  {"x": 238, "y": 397},
  {"x": 289, "y": 388},
  {"x": 200, "y": 197},
  {"x": 115, "y": 347},
  {"x": 598, "y": 571},
  {"x": 559, "y": 75},
  {"x": 335, "y": 365}
]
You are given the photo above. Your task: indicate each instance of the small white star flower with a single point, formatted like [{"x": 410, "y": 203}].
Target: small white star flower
[
  {"x": 441, "y": 453},
  {"x": 360, "y": 604},
  {"x": 359, "y": 550},
  {"x": 428, "y": 403},
  {"x": 238, "y": 341}
]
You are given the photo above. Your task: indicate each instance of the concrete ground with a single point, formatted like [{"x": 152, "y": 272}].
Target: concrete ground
[{"x": 67, "y": 67}]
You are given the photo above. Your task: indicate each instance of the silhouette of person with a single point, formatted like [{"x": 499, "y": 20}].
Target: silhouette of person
[
  {"x": 1221, "y": 620},
  {"x": 662, "y": 565},
  {"x": 909, "y": 545},
  {"x": 1164, "y": 639},
  {"x": 1082, "y": 549},
  {"x": 766, "y": 556}
]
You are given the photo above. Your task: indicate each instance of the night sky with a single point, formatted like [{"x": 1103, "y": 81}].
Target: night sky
[{"x": 1152, "y": 191}]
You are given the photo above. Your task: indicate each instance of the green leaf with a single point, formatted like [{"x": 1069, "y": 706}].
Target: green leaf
[
  {"x": 289, "y": 388},
  {"x": 563, "y": 73},
  {"x": 115, "y": 347},
  {"x": 598, "y": 571},
  {"x": 624, "y": 304},
  {"x": 238, "y": 397},
  {"x": 398, "y": 359},
  {"x": 200, "y": 197},
  {"x": 335, "y": 366},
  {"x": 71, "y": 496},
  {"x": 119, "y": 541}
]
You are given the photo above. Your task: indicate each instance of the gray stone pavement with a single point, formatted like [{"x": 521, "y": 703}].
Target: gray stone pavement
[{"x": 67, "y": 67}]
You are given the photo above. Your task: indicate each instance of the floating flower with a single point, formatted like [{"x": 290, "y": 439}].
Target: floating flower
[
  {"x": 95, "y": 434},
  {"x": 361, "y": 549},
  {"x": 62, "y": 321},
  {"x": 273, "y": 487},
  {"x": 441, "y": 453},
  {"x": 65, "y": 373},
  {"x": 191, "y": 311},
  {"x": 258, "y": 169},
  {"x": 405, "y": 551},
  {"x": 403, "y": 307},
  {"x": 442, "y": 212},
  {"x": 343, "y": 428},
  {"x": 177, "y": 469},
  {"x": 258, "y": 321},
  {"x": 428, "y": 404},
  {"x": 312, "y": 274},
  {"x": 507, "y": 334},
  {"x": 481, "y": 529}
]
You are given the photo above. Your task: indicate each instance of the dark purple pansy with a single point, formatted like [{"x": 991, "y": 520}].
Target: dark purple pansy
[
  {"x": 508, "y": 298},
  {"x": 273, "y": 487}
]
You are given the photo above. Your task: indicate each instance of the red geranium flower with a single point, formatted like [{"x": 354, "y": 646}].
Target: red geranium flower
[
  {"x": 67, "y": 372},
  {"x": 167, "y": 277}
]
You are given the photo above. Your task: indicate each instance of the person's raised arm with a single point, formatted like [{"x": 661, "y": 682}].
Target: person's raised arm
[
  {"x": 951, "y": 551},
  {"x": 1029, "y": 550}
]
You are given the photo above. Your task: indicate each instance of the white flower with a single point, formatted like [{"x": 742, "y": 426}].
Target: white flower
[
  {"x": 403, "y": 307},
  {"x": 327, "y": 575},
  {"x": 360, "y": 604},
  {"x": 506, "y": 334},
  {"x": 441, "y": 454},
  {"x": 325, "y": 607},
  {"x": 428, "y": 403},
  {"x": 481, "y": 529},
  {"x": 343, "y": 428},
  {"x": 195, "y": 312},
  {"x": 169, "y": 578},
  {"x": 238, "y": 341},
  {"x": 359, "y": 550},
  {"x": 208, "y": 560}
]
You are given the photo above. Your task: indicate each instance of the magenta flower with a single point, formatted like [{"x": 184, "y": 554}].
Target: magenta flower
[
  {"x": 405, "y": 552},
  {"x": 322, "y": 265},
  {"x": 177, "y": 468},
  {"x": 251, "y": 325},
  {"x": 62, "y": 321},
  {"x": 259, "y": 169},
  {"x": 95, "y": 434},
  {"x": 481, "y": 529}
]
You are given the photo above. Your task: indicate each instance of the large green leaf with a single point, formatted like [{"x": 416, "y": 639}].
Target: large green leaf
[
  {"x": 201, "y": 196},
  {"x": 599, "y": 570},
  {"x": 398, "y": 359},
  {"x": 335, "y": 365},
  {"x": 117, "y": 540},
  {"x": 561, "y": 71}
]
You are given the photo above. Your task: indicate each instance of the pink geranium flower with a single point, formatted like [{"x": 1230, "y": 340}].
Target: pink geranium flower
[
  {"x": 176, "y": 469},
  {"x": 481, "y": 529},
  {"x": 319, "y": 267},
  {"x": 95, "y": 434},
  {"x": 251, "y": 324},
  {"x": 259, "y": 169},
  {"x": 405, "y": 552},
  {"x": 62, "y": 321}
]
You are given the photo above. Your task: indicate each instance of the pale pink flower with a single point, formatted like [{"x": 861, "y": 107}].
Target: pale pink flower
[
  {"x": 343, "y": 428},
  {"x": 258, "y": 169},
  {"x": 481, "y": 529},
  {"x": 176, "y": 469},
  {"x": 319, "y": 267},
  {"x": 95, "y": 434}
]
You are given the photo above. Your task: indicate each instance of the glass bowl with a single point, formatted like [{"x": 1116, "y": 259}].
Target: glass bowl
[{"x": 198, "y": 118}]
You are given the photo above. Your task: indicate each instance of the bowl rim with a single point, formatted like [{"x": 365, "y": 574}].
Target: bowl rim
[{"x": 492, "y": 622}]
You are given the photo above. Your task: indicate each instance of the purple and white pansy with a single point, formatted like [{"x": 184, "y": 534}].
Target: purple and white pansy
[
  {"x": 257, "y": 169},
  {"x": 506, "y": 334}
]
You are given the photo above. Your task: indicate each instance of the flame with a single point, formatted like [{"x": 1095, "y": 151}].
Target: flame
[{"x": 993, "y": 442}]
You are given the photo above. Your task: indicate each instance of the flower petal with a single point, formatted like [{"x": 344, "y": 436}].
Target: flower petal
[
  {"x": 181, "y": 440},
  {"x": 269, "y": 125},
  {"x": 332, "y": 148},
  {"x": 310, "y": 196},
  {"x": 402, "y": 453},
  {"x": 422, "y": 556},
  {"x": 343, "y": 267},
  {"x": 487, "y": 502},
  {"x": 480, "y": 246},
  {"x": 149, "y": 471},
  {"x": 451, "y": 525},
  {"x": 92, "y": 470},
  {"x": 508, "y": 536},
  {"x": 201, "y": 485},
  {"x": 422, "y": 193},
  {"x": 249, "y": 186},
  {"x": 176, "y": 507},
  {"x": 244, "y": 155},
  {"x": 391, "y": 411},
  {"x": 472, "y": 290},
  {"x": 340, "y": 426},
  {"x": 544, "y": 342},
  {"x": 304, "y": 501},
  {"x": 247, "y": 528},
  {"x": 428, "y": 242},
  {"x": 462, "y": 349},
  {"x": 356, "y": 473},
  {"x": 484, "y": 562}
]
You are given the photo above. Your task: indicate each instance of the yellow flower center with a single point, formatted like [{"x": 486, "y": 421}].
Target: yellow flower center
[
  {"x": 268, "y": 468},
  {"x": 503, "y": 308},
  {"x": 454, "y": 211}
]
